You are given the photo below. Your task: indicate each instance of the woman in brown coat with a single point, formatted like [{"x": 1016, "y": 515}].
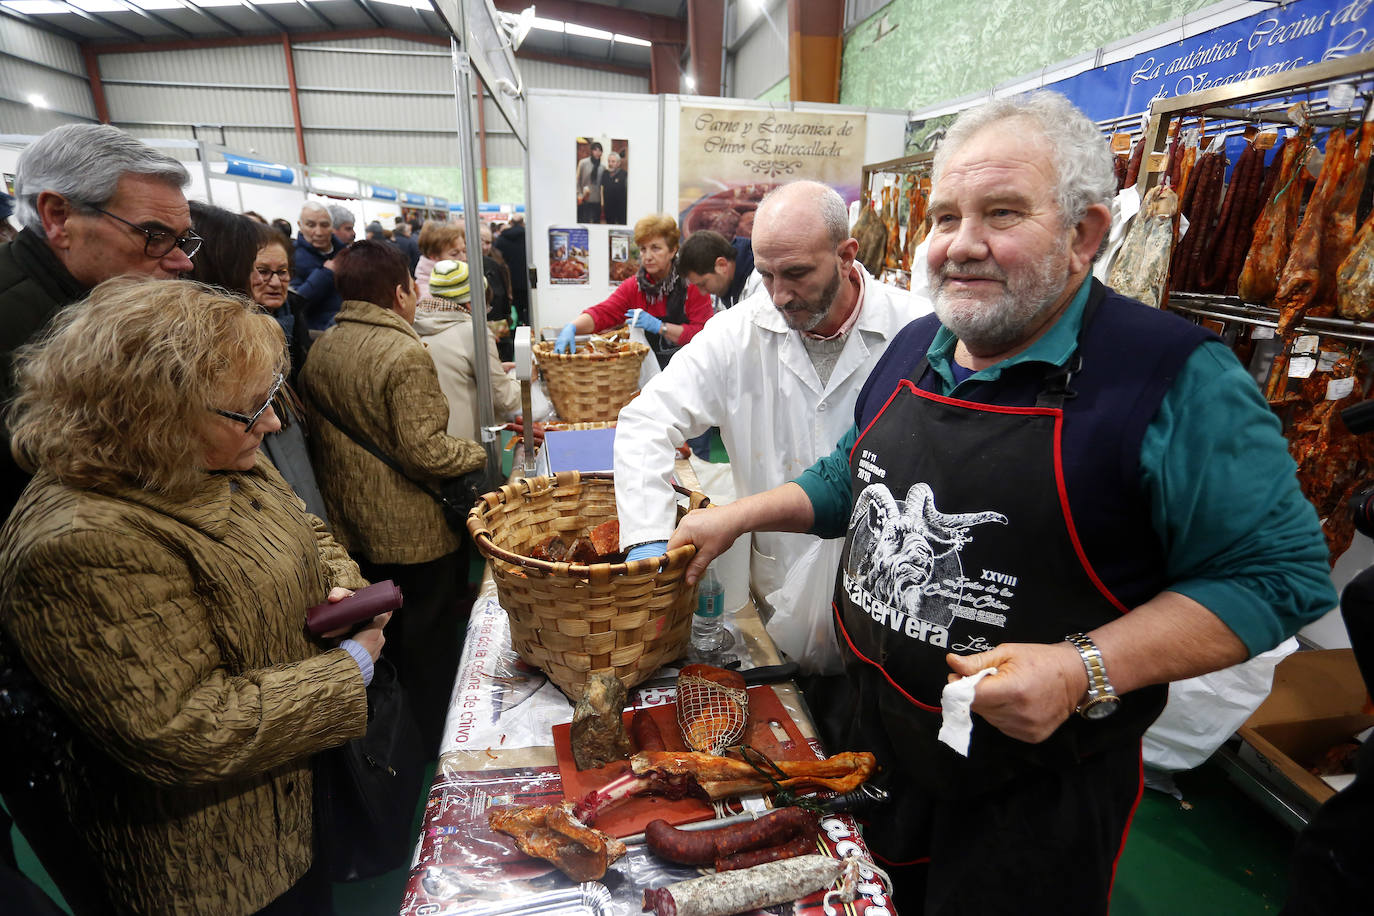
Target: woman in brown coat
[
  {"x": 370, "y": 374},
  {"x": 155, "y": 576}
]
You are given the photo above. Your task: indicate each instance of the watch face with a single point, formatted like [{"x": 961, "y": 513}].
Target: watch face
[{"x": 1102, "y": 707}]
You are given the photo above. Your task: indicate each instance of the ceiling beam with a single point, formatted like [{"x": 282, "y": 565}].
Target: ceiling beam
[
  {"x": 263, "y": 14},
  {"x": 706, "y": 40},
  {"x": 98, "y": 20},
  {"x": 191, "y": 5},
  {"x": 196, "y": 44},
  {"x": 371, "y": 13},
  {"x": 648, "y": 26},
  {"x": 153, "y": 17},
  {"x": 40, "y": 23},
  {"x": 568, "y": 61}
]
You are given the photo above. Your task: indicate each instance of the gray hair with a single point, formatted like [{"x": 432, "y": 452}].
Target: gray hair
[
  {"x": 83, "y": 163},
  {"x": 314, "y": 206},
  {"x": 340, "y": 215},
  {"x": 1082, "y": 159},
  {"x": 830, "y": 205}
]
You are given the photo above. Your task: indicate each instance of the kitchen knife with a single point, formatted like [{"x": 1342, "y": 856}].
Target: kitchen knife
[{"x": 765, "y": 674}]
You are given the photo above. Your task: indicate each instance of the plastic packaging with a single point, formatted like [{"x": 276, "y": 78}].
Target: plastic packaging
[{"x": 708, "y": 623}]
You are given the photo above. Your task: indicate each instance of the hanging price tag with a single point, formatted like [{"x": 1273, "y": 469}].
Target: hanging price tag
[
  {"x": 1157, "y": 161},
  {"x": 1302, "y": 367},
  {"x": 1121, "y": 143},
  {"x": 1266, "y": 139},
  {"x": 1307, "y": 343},
  {"x": 1261, "y": 332},
  {"x": 1339, "y": 388},
  {"x": 1326, "y": 361},
  {"x": 1297, "y": 113}
]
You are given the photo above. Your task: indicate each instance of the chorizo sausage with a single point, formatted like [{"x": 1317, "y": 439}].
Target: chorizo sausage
[
  {"x": 797, "y": 846},
  {"x": 704, "y": 847},
  {"x": 645, "y": 733}
]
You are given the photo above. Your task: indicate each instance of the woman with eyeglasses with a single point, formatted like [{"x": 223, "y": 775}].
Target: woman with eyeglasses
[
  {"x": 155, "y": 576},
  {"x": 244, "y": 257}
]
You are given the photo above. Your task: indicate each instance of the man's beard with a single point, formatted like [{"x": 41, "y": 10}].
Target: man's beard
[
  {"x": 804, "y": 315},
  {"x": 997, "y": 325}
]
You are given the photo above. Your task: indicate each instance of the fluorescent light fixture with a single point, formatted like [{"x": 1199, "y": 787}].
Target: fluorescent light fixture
[
  {"x": 156, "y": 4},
  {"x": 631, "y": 40},
  {"x": 35, "y": 7},
  {"x": 37, "y": 101},
  {"x": 690, "y": 82},
  {"x": 548, "y": 25},
  {"x": 99, "y": 6},
  {"x": 573, "y": 28}
]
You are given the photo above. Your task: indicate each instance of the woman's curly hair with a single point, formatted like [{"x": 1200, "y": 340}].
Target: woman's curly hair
[{"x": 118, "y": 389}]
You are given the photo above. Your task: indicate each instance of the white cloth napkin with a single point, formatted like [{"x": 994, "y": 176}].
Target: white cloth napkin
[{"x": 956, "y": 724}]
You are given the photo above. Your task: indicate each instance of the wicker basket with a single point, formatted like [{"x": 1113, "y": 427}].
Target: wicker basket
[
  {"x": 569, "y": 619},
  {"x": 591, "y": 387}
]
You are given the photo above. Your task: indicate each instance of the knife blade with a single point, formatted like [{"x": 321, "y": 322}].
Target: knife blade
[{"x": 764, "y": 674}]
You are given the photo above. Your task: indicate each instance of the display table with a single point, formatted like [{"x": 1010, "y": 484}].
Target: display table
[{"x": 498, "y": 749}]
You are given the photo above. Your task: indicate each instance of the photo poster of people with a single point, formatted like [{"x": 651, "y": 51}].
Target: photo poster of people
[
  {"x": 624, "y": 255},
  {"x": 729, "y": 158},
  {"x": 568, "y": 256},
  {"x": 602, "y": 175}
]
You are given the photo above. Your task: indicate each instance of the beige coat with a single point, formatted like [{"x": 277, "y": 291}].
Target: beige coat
[
  {"x": 448, "y": 336},
  {"x": 372, "y": 371},
  {"x": 173, "y": 636}
]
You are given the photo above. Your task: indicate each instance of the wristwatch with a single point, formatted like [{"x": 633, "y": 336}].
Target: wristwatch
[{"x": 1102, "y": 700}]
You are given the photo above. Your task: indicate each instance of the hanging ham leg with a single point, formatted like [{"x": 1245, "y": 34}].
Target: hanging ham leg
[{"x": 1259, "y": 279}]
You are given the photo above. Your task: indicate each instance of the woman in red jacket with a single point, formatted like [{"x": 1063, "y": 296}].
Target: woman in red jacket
[{"x": 669, "y": 309}]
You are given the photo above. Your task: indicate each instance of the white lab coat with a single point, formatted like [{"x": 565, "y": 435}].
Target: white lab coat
[{"x": 750, "y": 374}]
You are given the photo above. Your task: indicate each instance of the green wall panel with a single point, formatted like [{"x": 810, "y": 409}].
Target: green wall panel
[
  {"x": 930, "y": 51},
  {"x": 781, "y": 91}
]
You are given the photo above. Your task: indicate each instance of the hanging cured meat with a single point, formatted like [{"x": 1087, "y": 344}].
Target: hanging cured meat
[
  {"x": 916, "y": 227},
  {"x": 1137, "y": 157},
  {"x": 893, "y": 257},
  {"x": 1226, "y": 250},
  {"x": 1259, "y": 279},
  {"x": 1355, "y": 278},
  {"x": 1338, "y": 231},
  {"x": 1142, "y": 265},
  {"x": 1199, "y": 205},
  {"x": 872, "y": 236},
  {"x": 1300, "y": 284}
]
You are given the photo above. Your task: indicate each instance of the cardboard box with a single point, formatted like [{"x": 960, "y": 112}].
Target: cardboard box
[{"x": 1318, "y": 700}]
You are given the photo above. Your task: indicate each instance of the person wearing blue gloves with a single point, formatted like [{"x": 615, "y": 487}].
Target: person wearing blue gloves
[{"x": 668, "y": 308}]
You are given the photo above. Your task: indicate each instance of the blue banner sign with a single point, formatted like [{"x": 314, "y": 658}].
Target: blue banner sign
[
  {"x": 382, "y": 193},
  {"x": 438, "y": 203},
  {"x": 414, "y": 200},
  {"x": 1272, "y": 41},
  {"x": 255, "y": 168}
]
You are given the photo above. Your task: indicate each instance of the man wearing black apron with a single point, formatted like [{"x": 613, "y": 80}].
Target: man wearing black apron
[{"x": 1048, "y": 479}]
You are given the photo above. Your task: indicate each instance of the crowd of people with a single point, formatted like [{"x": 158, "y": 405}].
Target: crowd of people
[{"x": 213, "y": 425}]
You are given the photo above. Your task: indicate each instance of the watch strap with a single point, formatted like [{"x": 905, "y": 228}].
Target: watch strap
[{"x": 1098, "y": 683}]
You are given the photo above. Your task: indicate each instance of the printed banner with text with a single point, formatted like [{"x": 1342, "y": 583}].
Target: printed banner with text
[{"x": 728, "y": 159}]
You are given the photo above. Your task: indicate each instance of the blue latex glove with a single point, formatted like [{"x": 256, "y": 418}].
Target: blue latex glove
[
  {"x": 646, "y": 551},
  {"x": 566, "y": 339},
  {"x": 644, "y": 320}
]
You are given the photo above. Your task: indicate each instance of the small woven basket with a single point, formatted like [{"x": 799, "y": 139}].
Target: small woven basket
[
  {"x": 570, "y": 619},
  {"x": 591, "y": 387}
]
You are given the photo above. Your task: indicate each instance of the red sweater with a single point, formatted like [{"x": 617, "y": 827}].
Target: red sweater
[{"x": 627, "y": 296}]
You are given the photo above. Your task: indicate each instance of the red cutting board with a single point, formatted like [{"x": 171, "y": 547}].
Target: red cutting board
[{"x": 769, "y": 730}]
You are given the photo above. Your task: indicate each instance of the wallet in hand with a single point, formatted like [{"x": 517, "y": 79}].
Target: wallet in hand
[{"x": 362, "y": 605}]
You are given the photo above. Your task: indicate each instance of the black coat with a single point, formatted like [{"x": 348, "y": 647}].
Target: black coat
[
  {"x": 511, "y": 244},
  {"x": 33, "y": 287}
]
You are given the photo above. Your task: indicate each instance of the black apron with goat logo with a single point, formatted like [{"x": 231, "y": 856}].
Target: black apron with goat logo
[{"x": 960, "y": 539}]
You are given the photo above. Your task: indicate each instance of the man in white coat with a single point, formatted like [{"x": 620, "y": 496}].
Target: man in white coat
[{"x": 779, "y": 374}]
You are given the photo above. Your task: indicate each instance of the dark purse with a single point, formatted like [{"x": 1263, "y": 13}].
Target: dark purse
[{"x": 366, "y": 791}]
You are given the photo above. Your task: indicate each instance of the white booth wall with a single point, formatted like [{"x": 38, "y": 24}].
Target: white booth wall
[{"x": 650, "y": 124}]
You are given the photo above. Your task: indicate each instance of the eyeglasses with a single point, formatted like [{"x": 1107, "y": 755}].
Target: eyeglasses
[
  {"x": 247, "y": 421},
  {"x": 159, "y": 241},
  {"x": 265, "y": 274}
]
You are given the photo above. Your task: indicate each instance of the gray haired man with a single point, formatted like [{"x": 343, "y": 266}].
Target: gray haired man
[
  {"x": 343, "y": 221},
  {"x": 94, "y": 204}
]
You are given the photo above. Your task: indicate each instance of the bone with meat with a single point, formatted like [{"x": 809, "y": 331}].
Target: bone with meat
[
  {"x": 680, "y": 774},
  {"x": 552, "y": 832}
]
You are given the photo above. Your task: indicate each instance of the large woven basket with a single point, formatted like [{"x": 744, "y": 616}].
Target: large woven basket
[
  {"x": 570, "y": 619},
  {"x": 591, "y": 387}
]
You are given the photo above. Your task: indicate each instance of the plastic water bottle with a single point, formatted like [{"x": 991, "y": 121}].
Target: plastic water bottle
[{"x": 708, "y": 623}]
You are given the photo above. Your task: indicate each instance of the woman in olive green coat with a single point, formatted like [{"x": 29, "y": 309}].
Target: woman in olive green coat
[{"x": 155, "y": 576}]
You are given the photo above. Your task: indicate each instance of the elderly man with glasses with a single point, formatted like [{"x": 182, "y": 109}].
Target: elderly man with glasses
[{"x": 94, "y": 203}]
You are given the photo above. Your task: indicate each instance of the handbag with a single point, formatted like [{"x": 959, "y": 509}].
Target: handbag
[
  {"x": 366, "y": 791},
  {"x": 455, "y": 496}
]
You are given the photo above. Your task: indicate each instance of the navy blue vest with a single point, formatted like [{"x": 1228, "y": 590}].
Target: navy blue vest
[{"x": 1131, "y": 355}]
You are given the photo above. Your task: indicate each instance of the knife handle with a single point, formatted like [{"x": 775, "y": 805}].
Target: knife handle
[{"x": 768, "y": 674}]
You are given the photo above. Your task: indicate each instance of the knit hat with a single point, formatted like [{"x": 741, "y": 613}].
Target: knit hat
[{"x": 450, "y": 281}]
